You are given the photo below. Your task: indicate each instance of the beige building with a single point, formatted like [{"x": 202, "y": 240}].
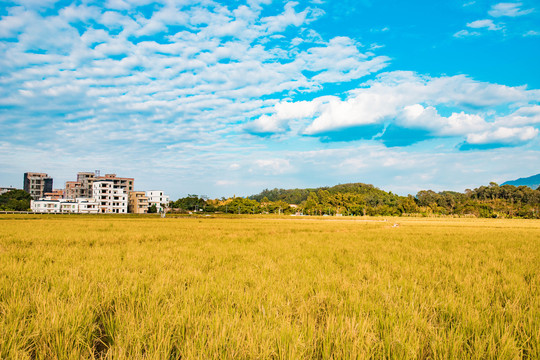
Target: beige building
[{"x": 138, "y": 202}]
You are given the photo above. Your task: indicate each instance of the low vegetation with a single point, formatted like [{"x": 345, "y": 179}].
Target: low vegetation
[{"x": 127, "y": 287}]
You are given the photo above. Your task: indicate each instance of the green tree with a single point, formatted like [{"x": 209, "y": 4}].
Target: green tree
[{"x": 15, "y": 200}]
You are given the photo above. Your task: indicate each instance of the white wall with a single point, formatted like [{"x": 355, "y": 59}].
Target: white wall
[
  {"x": 110, "y": 199},
  {"x": 83, "y": 206},
  {"x": 158, "y": 198}
]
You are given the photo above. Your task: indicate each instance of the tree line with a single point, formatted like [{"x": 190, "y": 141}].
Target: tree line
[{"x": 359, "y": 199}]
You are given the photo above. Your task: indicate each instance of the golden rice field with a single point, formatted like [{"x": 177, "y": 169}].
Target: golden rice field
[{"x": 95, "y": 287}]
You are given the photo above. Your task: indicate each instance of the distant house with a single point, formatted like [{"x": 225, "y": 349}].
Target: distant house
[
  {"x": 158, "y": 198},
  {"x": 138, "y": 202}
]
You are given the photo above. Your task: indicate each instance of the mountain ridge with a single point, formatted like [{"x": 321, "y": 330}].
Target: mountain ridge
[{"x": 531, "y": 181}]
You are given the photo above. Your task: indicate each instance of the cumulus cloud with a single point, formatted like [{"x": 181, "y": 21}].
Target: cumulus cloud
[
  {"x": 410, "y": 101},
  {"x": 457, "y": 124},
  {"x": 486, "y": 23},
  {"x": 508, "y": 9},
  {"x": 474, "y": 127}
]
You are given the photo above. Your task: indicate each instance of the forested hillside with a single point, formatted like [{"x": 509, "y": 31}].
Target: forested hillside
[
  {"x": 364, "y": 199},
  {"x": 357, "y": 199},
  {"x": 297, "y": 196}
]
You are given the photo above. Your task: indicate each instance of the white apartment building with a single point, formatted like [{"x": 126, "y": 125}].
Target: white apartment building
[
  {"x": 111, "y": 199},
  {"x": 158, "y": 198},
  {"x": 82, "y": 206}
]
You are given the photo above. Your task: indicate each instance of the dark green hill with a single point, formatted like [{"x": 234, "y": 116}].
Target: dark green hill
[{"x": 297, "y": 196}]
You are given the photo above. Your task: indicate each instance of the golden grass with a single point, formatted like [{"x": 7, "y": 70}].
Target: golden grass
[{"x": 75, "y": 287}]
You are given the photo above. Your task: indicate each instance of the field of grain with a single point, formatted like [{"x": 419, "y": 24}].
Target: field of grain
[{"x": 75, "y": 287}]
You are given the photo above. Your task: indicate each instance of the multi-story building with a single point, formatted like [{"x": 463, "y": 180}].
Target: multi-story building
[
  {"x": 138, "y": 202},
  {"x": 158, "y": 198},
  {"x": 37, "y": 184},
  {"x": 111, "y": 199},
  {"x": 83, "y": 187},
  {"x": 85, "y": 180},
  {"x": 125, "y": 184},
  {"x": 82, "y": 206},
  {"x": 73, "y": 190}
]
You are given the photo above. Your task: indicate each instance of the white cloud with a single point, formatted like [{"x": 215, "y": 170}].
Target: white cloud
[
  {"x": 201, "y": 80},
  {"x": 457, "y": 124},
  {"x": 486, "y": 23},
  {"x": 527, "y": 115},
  {"x": 411, "y": 101},
  {"x": 503, "y": 135},
  {"x": 274, "y": 24},
  {"x": 273, "y": 166},
  {"x": 508, "y": 9},
  {"x": 17, "y": 19},
  {"x": 466, "y": 33},
  {"x": 284, "y": 112},
  {"x": 474, "y": 127},
  {"x": 340, "y": 60},
  {"x": 531, "y": 33}
]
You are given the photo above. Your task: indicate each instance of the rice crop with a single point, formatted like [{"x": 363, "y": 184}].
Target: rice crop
[{"x": 107, "y": 287}]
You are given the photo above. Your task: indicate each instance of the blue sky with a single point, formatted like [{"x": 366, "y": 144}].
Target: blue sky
[{"x": 231, "y": 97}]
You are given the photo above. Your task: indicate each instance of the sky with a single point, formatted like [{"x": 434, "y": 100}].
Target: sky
[{"x": 223, "y": 98}]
